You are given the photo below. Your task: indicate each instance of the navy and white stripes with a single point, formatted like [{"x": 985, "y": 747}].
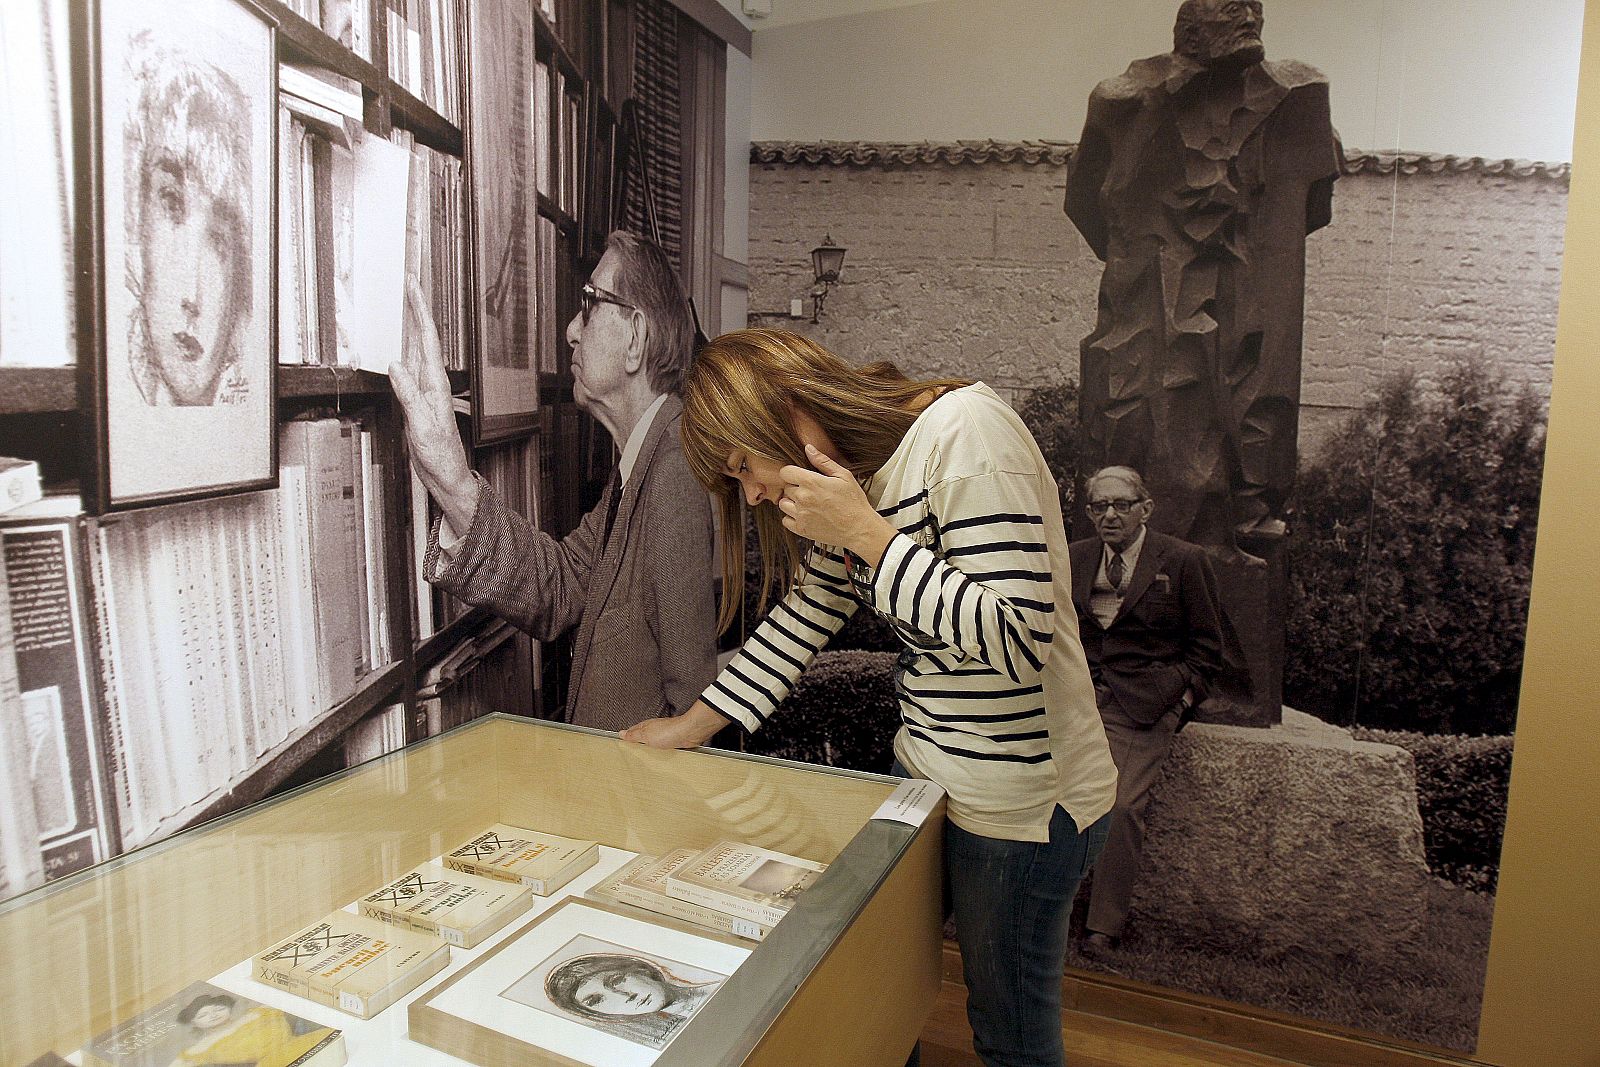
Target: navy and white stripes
[{"x": 993, "y": 690}]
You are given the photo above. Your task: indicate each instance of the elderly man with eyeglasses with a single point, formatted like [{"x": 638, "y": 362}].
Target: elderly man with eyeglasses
[
  {"x": 635, "y": 578},
  {"x": 1151, "y": 631}
]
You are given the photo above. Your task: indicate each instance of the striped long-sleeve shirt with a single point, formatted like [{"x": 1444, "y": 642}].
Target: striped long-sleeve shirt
[{"x": 995, "y": 698}]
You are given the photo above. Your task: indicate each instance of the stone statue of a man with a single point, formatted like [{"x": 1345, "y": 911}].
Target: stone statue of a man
[{"x": 1197, "y": 178}]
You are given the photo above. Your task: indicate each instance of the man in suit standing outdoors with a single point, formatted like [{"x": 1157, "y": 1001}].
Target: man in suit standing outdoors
[
  {"x": 1148, "y": 616},
  {"x": 635, "y": 577}
]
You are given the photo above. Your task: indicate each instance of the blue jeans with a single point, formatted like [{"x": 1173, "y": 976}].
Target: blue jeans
[{"x": 1012, "y": 900}]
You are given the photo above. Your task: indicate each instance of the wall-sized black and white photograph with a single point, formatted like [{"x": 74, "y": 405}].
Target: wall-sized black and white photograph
[
  {"x": 1274, "y": 286},
  {"x": 1130, "y": 418},
  {"x": 181, "y": 646},
  {"x": 185, "y": 134}
]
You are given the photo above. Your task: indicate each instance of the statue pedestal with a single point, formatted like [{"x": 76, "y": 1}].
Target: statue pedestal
[
  {"x": 1292, "y": 840},
  {"x": 1255, "y": 601}
]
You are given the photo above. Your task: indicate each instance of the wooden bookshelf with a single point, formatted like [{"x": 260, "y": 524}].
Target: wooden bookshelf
[
  {"x": 563, "y": 220},
  {"x": 430, "y": 128},
  {"x": 304, "y": 41},
  {"x": 331, "y": 382},
  {"x": 380, "y": 687},
  {"x": 434, "y": 647},
  {"x": 25, "y": 390},
  {"x": 547, "y": 35}
]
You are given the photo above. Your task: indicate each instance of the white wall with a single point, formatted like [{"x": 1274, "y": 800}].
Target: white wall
[{"x": 1496, "y": 78}]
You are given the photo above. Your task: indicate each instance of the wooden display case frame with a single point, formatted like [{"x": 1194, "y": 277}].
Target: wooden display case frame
[{"x": 857, "y": 959}]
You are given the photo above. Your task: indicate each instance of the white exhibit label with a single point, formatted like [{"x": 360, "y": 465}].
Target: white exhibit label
[{"x": 911, "y": 802}]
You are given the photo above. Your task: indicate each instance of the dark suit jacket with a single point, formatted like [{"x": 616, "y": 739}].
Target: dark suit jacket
[
  {"x": 1167, "y": 636},
  {"x": 642, "y": 601}
]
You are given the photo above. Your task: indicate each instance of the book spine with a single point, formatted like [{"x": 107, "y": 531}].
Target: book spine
[
  {"x": 21, "y": 864},
  {"x": 582, "y": 862},
  {"x": 19, "y": 485},
  {"x": 55, "y": 662},
  {"x": 323, "y": 1052},
  {"x": 723, "y": 901},
  {"x": 693, "y": 913},
  {"x": 466, "y": 866},
  {"x": 291, "y": 982},
  {"x": 365, "y": 1007},
  {"x": 450, "y": 935}
]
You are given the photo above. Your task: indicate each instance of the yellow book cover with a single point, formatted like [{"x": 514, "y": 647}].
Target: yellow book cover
[
  {"x": 351, "y": 962},
  {"x": 745, "y": 880},
  {"x": 205, "y": 1024},
  {"x": 643, "y": 884},
  {"x": 542, "y": 862},
  {"x": 461, "y": 908}
]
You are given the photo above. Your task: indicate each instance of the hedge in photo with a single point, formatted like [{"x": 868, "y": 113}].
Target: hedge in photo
[{"x": 1411, "y": 560}]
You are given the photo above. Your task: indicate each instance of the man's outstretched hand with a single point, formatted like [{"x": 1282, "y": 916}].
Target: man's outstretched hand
[{"x": 423, "y": 389}]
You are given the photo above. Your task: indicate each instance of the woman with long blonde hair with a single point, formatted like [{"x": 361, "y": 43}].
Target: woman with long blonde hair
[{"x": 929, "y": 503}]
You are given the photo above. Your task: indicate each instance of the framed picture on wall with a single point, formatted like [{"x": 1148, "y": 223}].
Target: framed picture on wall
[
  {"x": 504, "y": 204},
  {"x": 177, "y": 131},
  {"x": 585, "y": 983}
]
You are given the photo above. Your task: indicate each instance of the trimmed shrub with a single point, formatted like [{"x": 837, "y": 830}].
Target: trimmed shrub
[
  {"x": 1051, "y": 415},
  {"x": 1462, "y": 783},
  {"x": 842, "y": 713},
  {"x": 1411, "y": 559}
]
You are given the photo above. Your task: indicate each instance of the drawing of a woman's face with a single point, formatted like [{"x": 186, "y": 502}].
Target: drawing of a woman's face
[
  {"x": 621, "y": 993},
  {"x": 188, "y": 242},
  {"x": 188, "y": 139}
]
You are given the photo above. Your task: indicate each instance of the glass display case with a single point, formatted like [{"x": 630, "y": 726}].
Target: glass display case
[{"x": 856, "y": 959}]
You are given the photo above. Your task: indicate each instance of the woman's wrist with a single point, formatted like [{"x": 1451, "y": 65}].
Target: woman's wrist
[{"x": 873, "y": 542}]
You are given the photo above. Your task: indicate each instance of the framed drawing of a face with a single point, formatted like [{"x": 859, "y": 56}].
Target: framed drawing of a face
[
  {"x": 177, "y": 166},
  {"x": 585, "y": 983}
]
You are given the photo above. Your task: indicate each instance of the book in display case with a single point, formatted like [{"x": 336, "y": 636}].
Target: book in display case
[{"x": 856, "y": 957}]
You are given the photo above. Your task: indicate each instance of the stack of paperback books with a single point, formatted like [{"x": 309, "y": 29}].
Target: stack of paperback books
[
  {"x": 353, "y": 963},
  {"x": 733, "y": 887},
  {"x": 462, "y": 909},
  {"x": 542, "y": 862}
]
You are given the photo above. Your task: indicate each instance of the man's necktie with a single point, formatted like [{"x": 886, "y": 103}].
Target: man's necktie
[
  {"x": 613, "y": 500},
  {"x": 1114, "y": 569}
]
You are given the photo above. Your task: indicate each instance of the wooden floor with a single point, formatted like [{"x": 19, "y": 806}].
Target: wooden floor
[
  {"x": 1091, "y": 1040},
  {"x": 1117, "y": 1023}
]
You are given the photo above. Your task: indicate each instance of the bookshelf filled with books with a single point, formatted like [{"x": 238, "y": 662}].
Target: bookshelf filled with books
[{"x": 229, "y": 592}]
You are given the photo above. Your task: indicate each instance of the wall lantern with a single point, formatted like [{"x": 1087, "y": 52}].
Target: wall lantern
[{"x": 827, "y": 260}]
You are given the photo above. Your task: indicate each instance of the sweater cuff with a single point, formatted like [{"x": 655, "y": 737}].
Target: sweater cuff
[
  {"x": 719, "y": 702},
  {"x": 445, "y": 546},
  {"x": 899, "y": 573}
]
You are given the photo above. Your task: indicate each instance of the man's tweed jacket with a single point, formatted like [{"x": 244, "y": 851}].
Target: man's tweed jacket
[
  {"x": 1166, "y": 637},
  {"x": 642, "y": 602}
]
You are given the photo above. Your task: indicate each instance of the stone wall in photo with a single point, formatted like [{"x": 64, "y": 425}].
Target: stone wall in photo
[{"x": 961, "y": 262}]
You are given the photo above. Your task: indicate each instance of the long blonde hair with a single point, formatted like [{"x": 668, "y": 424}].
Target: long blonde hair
[{"x": 738, "y": 396}]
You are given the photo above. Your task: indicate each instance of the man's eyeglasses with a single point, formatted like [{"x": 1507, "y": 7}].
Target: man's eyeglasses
[
  {"x": 591, "y": 294},
  {"x": 1121, "y": 507}
]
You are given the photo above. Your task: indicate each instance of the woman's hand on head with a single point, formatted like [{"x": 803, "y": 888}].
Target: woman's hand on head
[
  {"x": 692, "y": 729},
  {"x": 828, "y": 505}
]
